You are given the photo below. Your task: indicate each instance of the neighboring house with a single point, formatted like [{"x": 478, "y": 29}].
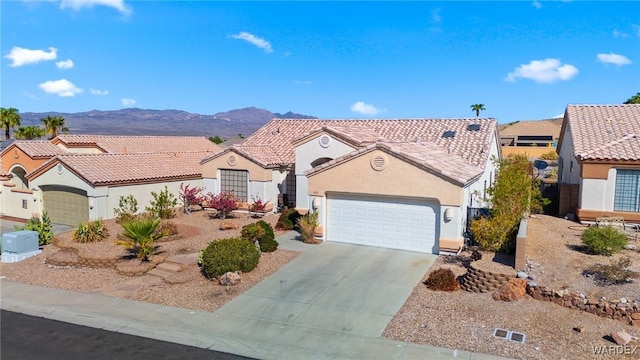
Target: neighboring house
[
  {"x": 80, "y": 177},
  {"x": 531, "y": 138},
  {"x": 599, "y": 163},
  {"x": 403, "y": 184}
]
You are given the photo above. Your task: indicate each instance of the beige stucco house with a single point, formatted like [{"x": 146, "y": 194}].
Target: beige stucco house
[
  {"x": 403, "y": 184},
  {"x": 80, "y": 177},
  {"x": 599, "y": 162}
]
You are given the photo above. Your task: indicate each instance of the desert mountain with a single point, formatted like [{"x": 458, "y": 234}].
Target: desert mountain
[{"x": 136, "y": 121}]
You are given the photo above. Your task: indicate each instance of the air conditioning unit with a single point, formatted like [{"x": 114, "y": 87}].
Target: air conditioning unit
[{"x": 20, "y": 242}]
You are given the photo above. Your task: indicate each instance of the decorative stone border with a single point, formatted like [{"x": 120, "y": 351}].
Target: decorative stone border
[
  {"x": 617, "y": 309},
  {"x": 481, "y": 281}
]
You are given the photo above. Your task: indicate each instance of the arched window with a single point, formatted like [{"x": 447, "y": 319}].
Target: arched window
[{"x": 20, "y": 177}]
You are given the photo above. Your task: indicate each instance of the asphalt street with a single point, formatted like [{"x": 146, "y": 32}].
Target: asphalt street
[{"x": 24, "y": 337}]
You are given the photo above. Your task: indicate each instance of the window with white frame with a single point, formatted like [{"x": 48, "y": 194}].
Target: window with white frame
[
  {"x": 236, "y": 181},
  {"x": 627, "y": 197}
]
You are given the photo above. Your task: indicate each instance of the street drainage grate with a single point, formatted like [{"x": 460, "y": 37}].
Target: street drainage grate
[{"x": 509, "y": 335}]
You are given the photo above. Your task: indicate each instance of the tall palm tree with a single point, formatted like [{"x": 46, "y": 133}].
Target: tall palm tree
[
  {"x": 10, "y": 118},
  {"x": 29, "y": 132},
  {"x": 54, "y": 125},
  {"x": 477, "y": 108}
]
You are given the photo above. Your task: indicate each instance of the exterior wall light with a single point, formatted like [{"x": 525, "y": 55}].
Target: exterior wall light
[{"x": 448, "y": 214}]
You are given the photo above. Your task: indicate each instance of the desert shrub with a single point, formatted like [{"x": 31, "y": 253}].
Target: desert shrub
[
  {"x": 190, "y": 196},
  {"x": 495, "y": 233},
  {"x": 616, "y": 272},
  {"x": 604, "y": 240},
  {"x": 163, "y": 204},
  {"x": 42, "y": 226},
  {"x": 307, "y": 225},
  {"x": 288, "y": 219},
  {"x": 224, "y": 203},
  {"x": 442, "y": 280},
  {"x": 258, "y": 204},
  {"x": 139, "y": 237},
  {"x": 165, "y": 228},
  {"x": 90, "y": 231},
  {"x": 230, "y": 254},
  {"x": 261, "y": 232},
  {"x": 550, "y": 155},
  {"x": 127, "y": 209}
]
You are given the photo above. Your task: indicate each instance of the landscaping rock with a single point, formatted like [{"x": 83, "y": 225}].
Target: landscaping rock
[
  {"x": 578, "y": 328},
  {"x": 522, "y": 275},
  {"x": 513, "y": 290},
  {"x": 621, "y": 337},
  {"x": 229, "y": 279},
  {"x": 228, "y": 225}
]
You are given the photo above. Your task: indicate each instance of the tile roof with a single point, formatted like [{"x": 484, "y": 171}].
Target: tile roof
[
  {"x": 119, "y": 144},
  {"x": 549, "y": 127},
  {"x": 277, "y": 138},
  {"x": 115, "y": 169},
  {"x": 425, "y": 155},
  {"x": 37, "y": 149},
  {"x": 605, "y": 132}
]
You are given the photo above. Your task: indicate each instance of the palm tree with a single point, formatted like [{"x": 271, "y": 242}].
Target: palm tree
[
  {"x": 10, "y": 118},
  {"x": 54, "y": 125},
  {"x": 477, "y": 108},
  {"x": 29, "y": 132}
]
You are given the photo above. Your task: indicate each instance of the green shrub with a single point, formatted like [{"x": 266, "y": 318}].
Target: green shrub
[
  {"x": 140, "y": 238},
  {"x": 604, "y": 240},
  {"x": 614, "y": 273},
  {"x": 495, "y": 233},
  {"x": 127, "y": 209},
  {"x": 288, "y": 219},
  {"x": 442, "y": 280},
  {"x": 230, "y": 254},
  {"x": 163, "y": 204},
  {"x": 262, "y": 232},
  {"x": 42, "y": 226},
  {"x": 90, "y": 231}
]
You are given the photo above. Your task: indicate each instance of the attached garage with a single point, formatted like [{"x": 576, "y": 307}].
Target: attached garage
[
  {"x": 65, "y": 205},
  {"x": 390, "y": 222}
]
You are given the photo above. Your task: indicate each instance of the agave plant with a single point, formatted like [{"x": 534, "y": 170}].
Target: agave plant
[{"x": 140, "y": 237}]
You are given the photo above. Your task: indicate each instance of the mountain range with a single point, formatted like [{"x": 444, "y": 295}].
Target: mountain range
[{"x": 134, "y": 121}]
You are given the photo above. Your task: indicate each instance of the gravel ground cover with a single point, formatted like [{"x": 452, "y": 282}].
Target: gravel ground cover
[{"x": 458, "y": 320}]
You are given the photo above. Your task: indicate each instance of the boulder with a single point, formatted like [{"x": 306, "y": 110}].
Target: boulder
[
  {"x": 513, "y": 290},
  {"x": 229, "y": 279},
  {"x": 621, "y": 337},
  {"x": 228, "y": 225}
]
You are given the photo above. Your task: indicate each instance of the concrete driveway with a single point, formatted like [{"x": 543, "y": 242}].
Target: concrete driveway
[{"x": 331, "y": 295}]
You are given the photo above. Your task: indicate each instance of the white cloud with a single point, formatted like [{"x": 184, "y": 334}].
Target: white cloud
[
  {"x": 21, "y": 56},
  {"x": 79, "y": 4},
  {"x": 614, "y": 59},
  {"x": 261, "y": 43},
  {"x": 619, "y": 34},
  {"x": 435, "y": 15},
  {"x": 128, "y": 102},
  {"x": 98, "y": 92},
  {"x": 66, "y": 64},
  {"x": 537, "y": 4},
  {"x": 364, "y": 109},
  {"x": 62, "y": 88},
  {"x": 543, "y": 71}
]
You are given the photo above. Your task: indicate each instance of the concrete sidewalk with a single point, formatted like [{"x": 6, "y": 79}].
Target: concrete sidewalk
[{"x": 306, "y": 310}]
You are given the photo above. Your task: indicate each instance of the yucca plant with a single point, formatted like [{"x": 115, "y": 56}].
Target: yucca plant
[
  {"x": 139, "y": 236},
  {"x": 308, "y": 225}
]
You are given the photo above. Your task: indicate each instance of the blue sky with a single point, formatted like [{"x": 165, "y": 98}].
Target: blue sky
[{"x": 524, "y": 60}]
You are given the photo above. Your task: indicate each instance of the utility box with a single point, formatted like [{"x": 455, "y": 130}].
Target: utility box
[{"x": 19, "y": 245}]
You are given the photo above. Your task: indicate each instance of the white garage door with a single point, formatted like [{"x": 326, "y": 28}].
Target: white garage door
[{"x": 405, "y": 224}]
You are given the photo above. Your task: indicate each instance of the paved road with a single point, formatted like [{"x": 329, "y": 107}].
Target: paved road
[{"x": 27, "y": 337}]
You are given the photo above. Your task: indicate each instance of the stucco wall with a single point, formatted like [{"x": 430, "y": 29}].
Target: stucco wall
[
  {"x": 397, "y": 179},
  {"x": 14, "y": 156},
  {"x": 256, "y": 172},
  {"x": 566, "y": 153},
  {"x": 11, "y": 202},
  {"x": 308, "y": 152}
]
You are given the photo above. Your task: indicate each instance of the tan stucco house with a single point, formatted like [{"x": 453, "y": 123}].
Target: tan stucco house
[
  {"x": 395, "y": 183},
  {"x": 80, "y": 177},
  {"x": 599, "y": 162}
]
